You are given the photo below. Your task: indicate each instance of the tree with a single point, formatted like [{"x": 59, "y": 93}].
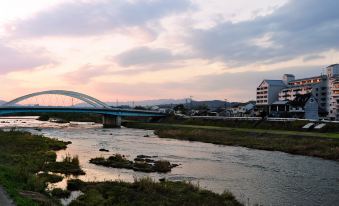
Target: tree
[{"x": 180, "y": 108}]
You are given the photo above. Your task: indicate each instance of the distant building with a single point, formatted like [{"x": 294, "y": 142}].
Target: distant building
[
  {"x": 317, "y": 86},
  {"x": 304, "y": 106},
  {"x": 276, "y": 96},
  {"x": 333, "y": 91},
  {"x": 242, "y": 109},
  {"x": 268, "y": 92}
]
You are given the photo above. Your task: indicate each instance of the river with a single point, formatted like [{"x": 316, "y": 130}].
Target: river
[{"x": 253, "y": 176}]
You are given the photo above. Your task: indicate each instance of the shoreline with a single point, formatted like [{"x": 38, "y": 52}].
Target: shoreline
[
  {"x": 27, "y": 188},
  {"x": 5, "y": 200},
  {"x": 324, "y": 145}
]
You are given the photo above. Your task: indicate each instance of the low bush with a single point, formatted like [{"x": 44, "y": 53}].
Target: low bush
[
  {"x": 147, "y": 192},
  {"x": 60, "y": 193}
]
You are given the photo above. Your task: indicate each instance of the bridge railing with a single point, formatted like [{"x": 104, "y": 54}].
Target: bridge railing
[{"x": 16, "y": 108}]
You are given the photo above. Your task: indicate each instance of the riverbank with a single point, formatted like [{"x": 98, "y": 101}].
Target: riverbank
[
  {"x": 23, "y": 155},
  {"x": 296, "y": 125},
  {"x": 145, "y": 191},
  {"x": 323, "y": 145},
  {"x": 4, "y": 199}
]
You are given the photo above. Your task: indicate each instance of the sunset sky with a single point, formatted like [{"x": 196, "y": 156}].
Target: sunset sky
[{"x": 155, "y": 49}]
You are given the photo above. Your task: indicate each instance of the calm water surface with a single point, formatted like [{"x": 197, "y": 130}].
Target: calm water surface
[{"x": 254, "y": 176}]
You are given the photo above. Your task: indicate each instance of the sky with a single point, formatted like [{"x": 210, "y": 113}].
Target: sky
[{"x": 157, "y": 49}]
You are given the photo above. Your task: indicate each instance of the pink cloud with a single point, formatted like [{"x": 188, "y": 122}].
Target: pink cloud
[{"x": 14, "y": 60}]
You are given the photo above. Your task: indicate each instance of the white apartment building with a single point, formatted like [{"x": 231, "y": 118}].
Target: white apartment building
[
  {"x": 324, "y": 88},
  {"x": 333, "y": 91},
  {"x": 268, "y": 91},
  {"x": 315, "y": 85}
]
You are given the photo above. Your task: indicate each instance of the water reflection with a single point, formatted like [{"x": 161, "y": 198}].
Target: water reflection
[{"x": 263, "y": 177}]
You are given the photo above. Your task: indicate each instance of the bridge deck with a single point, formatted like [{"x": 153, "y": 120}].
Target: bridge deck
[{"x": 105, "y": 111}]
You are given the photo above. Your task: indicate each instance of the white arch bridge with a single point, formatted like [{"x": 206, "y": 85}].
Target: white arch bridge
[{"x": 111, "y": 116}]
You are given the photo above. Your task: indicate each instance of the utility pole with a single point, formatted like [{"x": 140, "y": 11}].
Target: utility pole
[
  {"x": 191, "y": 103},
  {"x": 225, "y": 107}
]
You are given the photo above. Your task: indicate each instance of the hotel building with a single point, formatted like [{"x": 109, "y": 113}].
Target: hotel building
[
  {"x": 324, "y": 88},
  {"x": 333, "y": 91}
]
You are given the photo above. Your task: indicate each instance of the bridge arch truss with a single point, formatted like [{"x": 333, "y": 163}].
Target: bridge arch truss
[{"x": 83, "y": 97}]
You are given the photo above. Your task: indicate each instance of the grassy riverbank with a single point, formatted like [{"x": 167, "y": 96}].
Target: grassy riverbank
[
  {"x": 324, "y": 145},
  {"x": 22, "y": 155},
  {"x": 253, "y": 124},
  {"x": 147, "y": 192}
]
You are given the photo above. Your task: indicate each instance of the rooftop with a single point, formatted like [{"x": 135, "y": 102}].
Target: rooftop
[
  {"x": 300, "y": 99},
  {"x": 280, "y": 102},
  {"x": 308, "y": 78},
  {"x": 333, "y": 65},
  {"x": 275, "y": 82}
]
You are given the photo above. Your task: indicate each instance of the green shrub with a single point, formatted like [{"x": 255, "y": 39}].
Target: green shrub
[
  {"x": 52, "y": 178},
  {"x": 75, "y": 184},
  {"x": 69, "y": 166},
  {"x": 60, "y": 193},
  {"x": 162, "y": 166},
  {"x": 146, "y": 192}
]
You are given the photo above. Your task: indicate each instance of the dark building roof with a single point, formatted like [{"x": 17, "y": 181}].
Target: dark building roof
[
  {"x": 275, "y": 82},
  {"x": 333, "y": 65},
  {"x": 284, "y": 102},
  {"x": 300, "y": 100}
]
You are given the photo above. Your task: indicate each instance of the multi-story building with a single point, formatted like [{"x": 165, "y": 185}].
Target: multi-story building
[
  {"x": 268, "y": 92},
  {"x": 324, "y": 88},
  {"x": 333, "y": 91},
  {"x": 317, "y": 86}
]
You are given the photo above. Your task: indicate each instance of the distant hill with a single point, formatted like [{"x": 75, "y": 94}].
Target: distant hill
[
  {"x": 213, "y": 104},
  {"x": 150, "y": 102},
  {"x": 2, "y": 102}
]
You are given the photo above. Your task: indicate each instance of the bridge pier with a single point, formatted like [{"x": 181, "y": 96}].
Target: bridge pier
[{"x": 110, "y": 121}]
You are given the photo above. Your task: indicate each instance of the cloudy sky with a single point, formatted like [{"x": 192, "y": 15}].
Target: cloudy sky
[{"x": 152, "y": 49}]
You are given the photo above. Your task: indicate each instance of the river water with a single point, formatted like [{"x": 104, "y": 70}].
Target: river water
[{"x": 253, "y": 176}]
